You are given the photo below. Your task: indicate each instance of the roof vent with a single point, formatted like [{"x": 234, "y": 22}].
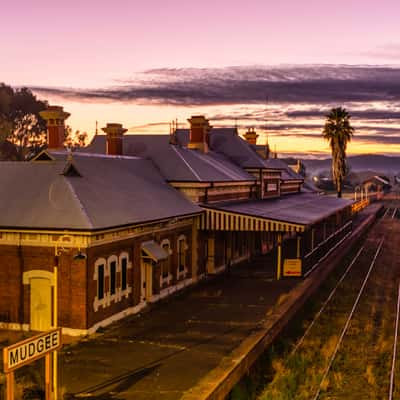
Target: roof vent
[{"x": 43, "y": 156}]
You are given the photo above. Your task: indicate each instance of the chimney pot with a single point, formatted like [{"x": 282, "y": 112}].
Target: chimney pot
[
  {"x": 199, "y": 131},
  {"x": 115, "y": 133},
  {"x": 55, "y": 117},
  {"x": 251, "y": 136}
]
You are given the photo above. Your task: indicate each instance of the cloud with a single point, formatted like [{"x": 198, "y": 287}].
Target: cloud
[
  {"x": 318, "y": 84},
  {"x": 371, "y": 138},
  {"x": 360, "y": 114}
]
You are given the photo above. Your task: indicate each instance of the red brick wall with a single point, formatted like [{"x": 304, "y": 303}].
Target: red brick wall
[
  {"x": 133, "y": 248},
  {"x": 76, "y": 287},
  {"x": 15, "y": 297}
]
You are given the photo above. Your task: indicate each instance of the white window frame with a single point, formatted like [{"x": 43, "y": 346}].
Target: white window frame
[
  {"x": 167, "y": 279},
  {"x": 115, "y": 296},
  {"x": 128, "y": 290},
  {"x": 97, "y": 303},
  {"x": 182, "y": 273}
]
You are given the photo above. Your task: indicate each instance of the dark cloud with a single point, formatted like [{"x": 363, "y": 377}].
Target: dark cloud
[
  {"x": 384, "y": 139},
  {"x": 249, "y": 85},
  {"x": 363, "y": 114}
]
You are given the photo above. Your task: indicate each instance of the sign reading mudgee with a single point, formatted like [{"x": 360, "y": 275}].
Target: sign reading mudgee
[{"x": 29, "y": 350}]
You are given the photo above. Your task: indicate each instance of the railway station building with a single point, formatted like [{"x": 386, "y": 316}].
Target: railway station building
[{"x": 131, "y": 219}]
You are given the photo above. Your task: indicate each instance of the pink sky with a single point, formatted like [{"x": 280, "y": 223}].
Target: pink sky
[
  {"x": 89, "y": 43},
  {"x": 97, "y": 43}
]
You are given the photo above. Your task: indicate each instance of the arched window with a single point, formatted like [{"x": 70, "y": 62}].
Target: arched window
[
  {"x": 182, "y": 248},
  {"x": 100, "y": 273},
  {"x": 112, "y": 267},
  {"x": 166, "y": 273},
  {"x": 124, "y": 265},
  {"x": 166, "y": 264}
]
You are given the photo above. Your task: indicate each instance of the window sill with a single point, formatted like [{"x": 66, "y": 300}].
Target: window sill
[
  {"x": 182, "y": 274},
  {"x": 165, "y": 280}
]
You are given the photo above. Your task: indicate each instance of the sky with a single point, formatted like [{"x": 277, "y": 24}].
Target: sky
[{"x": 275, "y": 65}]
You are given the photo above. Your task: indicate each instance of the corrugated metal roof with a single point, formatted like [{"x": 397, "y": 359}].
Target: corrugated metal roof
[
  {"x": 110, "y": 192},
  {"x": 180, "y": 164},
  {"x": 176, "y": 162},
  {"x": 304, "y": 209},
  {"x": 227, "y": 142}
]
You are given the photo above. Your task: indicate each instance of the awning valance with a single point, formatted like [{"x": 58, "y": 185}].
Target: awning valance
[
  {"x": 290, "y": 213},
  {"x": 154, "y": 251},
  {"x": 219, "y": 220}
]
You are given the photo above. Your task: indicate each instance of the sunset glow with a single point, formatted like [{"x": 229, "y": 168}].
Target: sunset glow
[{"x": 144, "y": 64}]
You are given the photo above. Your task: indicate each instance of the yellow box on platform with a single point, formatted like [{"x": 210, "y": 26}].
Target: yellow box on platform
[{"x": 292, "y": 267}]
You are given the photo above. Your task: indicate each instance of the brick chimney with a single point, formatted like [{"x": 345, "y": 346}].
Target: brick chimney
[
  {"x": 251, "y": 136},
  {"x": 199, "y": 131},
  {"x": 55, "y": 117},
  {"x": 115, "y": 134}
]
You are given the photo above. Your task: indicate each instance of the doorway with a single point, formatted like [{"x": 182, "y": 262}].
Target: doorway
[
  {"x": 146, "y": 278},
  {"x": 40, "y": 309},
  {"x": 40, "y": 300}
]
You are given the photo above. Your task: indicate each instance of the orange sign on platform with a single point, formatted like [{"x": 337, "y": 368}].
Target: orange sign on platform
[{"x": 292, "y": 267}]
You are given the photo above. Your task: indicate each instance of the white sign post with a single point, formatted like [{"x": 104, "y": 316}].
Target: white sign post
[{"x": 27, "y": 351}]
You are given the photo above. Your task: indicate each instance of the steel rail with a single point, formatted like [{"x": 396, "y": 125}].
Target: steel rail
[
  {"x": 348, "y": 321},
  {"x": 319, "y": 313}
]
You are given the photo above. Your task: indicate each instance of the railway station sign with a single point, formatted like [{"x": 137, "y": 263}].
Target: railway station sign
[
  {"x": 292, "y": 267},
  {"x": 29, "y": 350}
]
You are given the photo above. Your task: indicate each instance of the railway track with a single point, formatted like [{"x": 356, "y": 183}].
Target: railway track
[{"x": 349, "y": 349}]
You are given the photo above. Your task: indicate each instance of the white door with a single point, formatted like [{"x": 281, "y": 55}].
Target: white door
[{"x": 40, "y": 304}]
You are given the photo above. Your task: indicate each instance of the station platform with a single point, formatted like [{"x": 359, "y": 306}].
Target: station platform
[{"x": 189, "y": 346}]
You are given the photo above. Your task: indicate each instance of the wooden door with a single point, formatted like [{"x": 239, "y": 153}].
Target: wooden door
[
  {"x": 146, "y": 280},
  {"x": 40, "y": 304}
]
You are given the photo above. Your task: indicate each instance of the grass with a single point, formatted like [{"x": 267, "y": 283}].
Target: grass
[{"x": 361, "y": 367}]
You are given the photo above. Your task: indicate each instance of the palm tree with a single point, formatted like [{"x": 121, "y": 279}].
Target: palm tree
[{"x": 338, "y": 132}]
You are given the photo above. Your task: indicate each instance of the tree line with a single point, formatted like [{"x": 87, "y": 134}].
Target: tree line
[{"x": 22, "y": 130}]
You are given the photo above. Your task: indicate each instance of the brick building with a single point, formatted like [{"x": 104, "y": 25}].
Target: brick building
[{"x": 131, "y": 219}]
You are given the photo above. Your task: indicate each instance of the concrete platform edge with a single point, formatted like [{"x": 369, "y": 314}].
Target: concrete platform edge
[{"x": 217, "y": 384}]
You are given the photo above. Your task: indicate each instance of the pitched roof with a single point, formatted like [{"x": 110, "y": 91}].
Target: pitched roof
[
  {"x": 109, "y": 192},
  {"x": 226, "y": 141},
  {"x": 176, "y": 162}
]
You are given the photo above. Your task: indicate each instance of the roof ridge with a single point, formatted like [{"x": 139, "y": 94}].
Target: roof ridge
[
  {"x": 186, "y": 163},
  {"x": 82, "y": 208}
]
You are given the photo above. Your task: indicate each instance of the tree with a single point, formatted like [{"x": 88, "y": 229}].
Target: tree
[
  {"x": 338, "y": 132},
  {"x": 22, "y": 130},
  {"x": 74, "y": 140}
]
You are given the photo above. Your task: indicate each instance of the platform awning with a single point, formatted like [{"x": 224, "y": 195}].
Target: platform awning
[
  {"x": 292, "y": 213},
  {"x": 154, "y": 251}
]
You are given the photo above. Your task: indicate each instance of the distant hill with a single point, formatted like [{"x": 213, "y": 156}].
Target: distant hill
[{"x": 368, "y": 162}]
